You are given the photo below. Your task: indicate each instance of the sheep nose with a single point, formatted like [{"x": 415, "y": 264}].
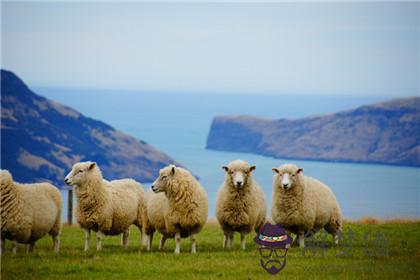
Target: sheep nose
[
  {"x": 285, "y": 186},
  {"x": 153, "y": 188},
  {"x": 66, "y": 180},
  {"x": 238, "y": 184}
]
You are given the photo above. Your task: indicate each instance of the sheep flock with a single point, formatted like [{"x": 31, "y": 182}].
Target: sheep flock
[{"x": 176, "y": 206}]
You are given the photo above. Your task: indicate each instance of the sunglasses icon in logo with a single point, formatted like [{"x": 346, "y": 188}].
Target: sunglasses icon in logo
[
  {"x": 267, "y": 252},
  {"x": 272, "y": 241}
]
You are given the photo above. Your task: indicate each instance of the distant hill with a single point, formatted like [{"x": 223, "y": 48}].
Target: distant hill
[
  {"x": 41, "y": 140},
  {"x": 387, "y": 133}
]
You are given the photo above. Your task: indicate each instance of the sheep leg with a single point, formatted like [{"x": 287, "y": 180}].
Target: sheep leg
[
  {"x": 15, "y": 245},
  {"x": 230, "y": 240},
  {"x": 87, "y": 240},
  {"x": 2, "y": 246},
  {"x": 243, "y": 240},
  {"x": 142, "y": 237},
  {"x": 334, "y": 230},
  {"x": 193, "y": 243},
  {"x": 99, "y": 236},
  {"x": 56, "y": 242},
  {"x": 124, "y": 238},
  {"x": 295, "y": 240},
  {"x": 149, "y": 239},
  {"x": 31, "y": 247},
  {"x": 162, "y": 242},
  {"x": 301, "y": 237},
  {"x": 335, "y": 236},
  {"x": 225, "y": 240},
  {"x": 177, "y": 242}
]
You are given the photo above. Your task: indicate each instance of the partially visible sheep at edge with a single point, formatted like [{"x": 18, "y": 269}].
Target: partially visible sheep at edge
[
  {"x": 304, "y": 205},
  {"x": 28, "y": 212},
  {"x": 240, "y": 203},
  {"x": 181, "y": 210},
  {"x": 106, "y": 207}
]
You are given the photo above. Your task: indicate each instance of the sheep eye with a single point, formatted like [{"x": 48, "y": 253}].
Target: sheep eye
[
  {"x": 80, "y": 171},
  {"x": 164, "y": 177}
]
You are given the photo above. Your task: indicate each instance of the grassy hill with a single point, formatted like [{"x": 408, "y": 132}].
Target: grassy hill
[{"x": 397, "y": 255}]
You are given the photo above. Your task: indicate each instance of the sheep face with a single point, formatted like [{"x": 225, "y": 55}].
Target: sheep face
[
  {"x": 79, "y": 172},
  {"x": 287, "y": 176},
  {"x": 165, "y": 176},
  {"x": 238, "y": 173}
]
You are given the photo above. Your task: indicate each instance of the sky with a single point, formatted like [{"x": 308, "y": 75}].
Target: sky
[{"x": 272, "y": 48}]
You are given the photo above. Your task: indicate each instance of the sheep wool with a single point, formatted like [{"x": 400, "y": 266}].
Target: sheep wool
[
  {"x": 240, "y": 203},
  {"x": 304, "y": 205},
  {"x": 154, "y": 218},
  {"x": 183, "y": 207},
  {"x": 28, "y": 212},
  {"x": 106, "y": 207}
]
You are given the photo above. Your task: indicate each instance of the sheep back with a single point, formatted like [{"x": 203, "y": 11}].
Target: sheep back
[
  {"x": 40, "y": 213},
  {"x": 311, "y": 208},
  {"x": 127, "y": 197},
  {"x": 322, "y": 200},
  {"x": 188, "y": 214}
]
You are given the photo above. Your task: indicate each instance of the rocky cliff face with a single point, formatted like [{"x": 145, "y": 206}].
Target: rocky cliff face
[
  {"x": 41, "y": 140},
  {"x": 387, "y": 133}
]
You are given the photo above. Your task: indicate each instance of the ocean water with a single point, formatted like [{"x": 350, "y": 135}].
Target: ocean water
[{"x": 178, "y": 124}]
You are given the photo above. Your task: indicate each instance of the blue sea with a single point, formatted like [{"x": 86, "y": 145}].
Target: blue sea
[{"x": 178, "y": 124}]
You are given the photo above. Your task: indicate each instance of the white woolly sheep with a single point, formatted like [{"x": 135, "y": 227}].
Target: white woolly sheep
[
  {"x": 106, "y": 207},
  {"x": 304, "y": 205},
  {"x": 28, "y": 212},
  {"x": 240, "y": 203},
  {"x": 183, "y": 207}
]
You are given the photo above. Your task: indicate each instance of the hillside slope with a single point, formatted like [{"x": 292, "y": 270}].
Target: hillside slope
[
  {"x": 386, "y": 133},
  {"x": 41, "y": 139}
]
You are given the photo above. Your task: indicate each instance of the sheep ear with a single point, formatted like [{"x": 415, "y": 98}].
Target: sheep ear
[
  {"x": 173, "y": 167},
  {"x": 91, "y": 165},
  {"x": 300, "y": 170},
  {"x": 252, "y": 168},
  {"x": 275, "y": 170},
  {"x": 225, "y": 168}
]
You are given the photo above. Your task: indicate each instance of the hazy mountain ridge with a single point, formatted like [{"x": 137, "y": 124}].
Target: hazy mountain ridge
[
  {"x": 387, "y": 133},
  {"x": 41, "y": 139}
]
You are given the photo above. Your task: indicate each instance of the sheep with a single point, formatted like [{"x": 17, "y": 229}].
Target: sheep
[
  {"x": 106, "y": 207},
  {"x": 304, "y": 205},
  {"x": 28, "y": 212},
  {"x": 240, "y": 203},
  {"x": 183, "y": 207},
  {"x": 154, "y": 217}
]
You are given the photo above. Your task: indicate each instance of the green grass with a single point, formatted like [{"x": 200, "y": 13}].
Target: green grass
[{"x": 397, "y": 255}]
